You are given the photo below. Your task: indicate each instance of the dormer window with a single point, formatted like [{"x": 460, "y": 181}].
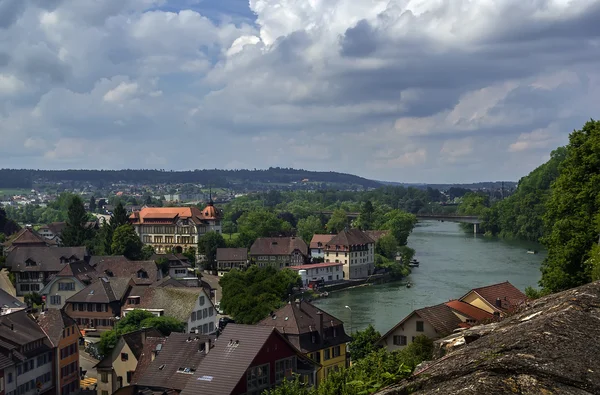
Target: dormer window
[
  {"x": 142, "y": 274},
  {"x": 30, "y": 262}
]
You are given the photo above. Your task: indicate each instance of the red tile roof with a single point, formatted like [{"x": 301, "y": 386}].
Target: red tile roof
[
  {"x": 318, "y": 238},
  {"x": 469, "y": 310},
  {"x": 172, "y": 214},
  {"x": 505, "y": 294}
]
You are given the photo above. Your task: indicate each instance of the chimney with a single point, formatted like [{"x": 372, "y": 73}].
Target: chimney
[
  {"x": 207, "y": 346},
  {"x": 498, "y": 302},
  {"x": 144, "y": 335},
  {"x": 320, "y": 326}
]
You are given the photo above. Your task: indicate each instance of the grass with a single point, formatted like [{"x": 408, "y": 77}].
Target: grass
[{"x": 13, "y": 191}]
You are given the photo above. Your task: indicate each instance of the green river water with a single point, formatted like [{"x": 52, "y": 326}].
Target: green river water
[{"x": 451, "y": 263}]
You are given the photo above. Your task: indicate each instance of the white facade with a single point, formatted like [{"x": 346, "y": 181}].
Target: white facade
[
  {"x": 326, "y": 272},
  {"x": 357, "y": 264},
  {"x": 405, "y": 333},
  {"x": 24, "y": 377},
  {"x": 204, "y": 317}
]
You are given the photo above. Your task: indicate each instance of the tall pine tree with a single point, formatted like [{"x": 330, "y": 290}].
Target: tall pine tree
[
  {"x": 119, "y": 218},
  {"x": 76, "y": 231},
  {"x": 92, "y": 204}
]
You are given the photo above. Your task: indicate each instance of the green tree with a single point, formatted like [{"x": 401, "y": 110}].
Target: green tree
[
  {"x": 572, "y": 213},
  {"x": 190, "y": 254},
  {"x": 126, "y": 242},
  {"x": 147, "y": 252},
  {"x": 338, "y": 221},
  {"x": 250, "y": 295},
  {"x": 92, "y": 204},
  {"x": 365, "y": 218},
  {"x": 118, "y": 218},
  {"x": 33, "y": 299},
  {"x": 308, "y": 226},
  {"x": 76, "y": 232},
  {"x": 260, "y": 223},
  {"x": 400, "y": 224},
  {"x": 387, "y": 246},
  {"x": 363, "y": 343},
  {"x": 207, "y": 245}
]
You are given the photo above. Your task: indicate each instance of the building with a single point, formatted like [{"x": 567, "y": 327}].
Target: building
[
  {"x": 279, "y": 252},
  {"x": 434, "y": 322},
  {"x": 175, "y": 229},
  {"x": 30, "y": 354},
  {"x": 317, "y": 245},
  {"x": 116, "y": 370},
  {"x": 26, "y": 237},
  {"x": 140, "y": 272},
  {"x": 152, "y": 347},
  {"x": 316, "y": 333},
  {"x": 98, "y": 305},
  {"x": 231, "y": 258},
  {"x": 247, "y": 359},
  {"x": 53, "y": 230},
  {"x": 63, "y": 333},
  {"x": 177, "y": 265},
  {"x": 497, "y": 299},
  {"x": 9, "y": 304},
  {"x": 319, "y": 273},
  {"x": 174, "y": 364},
  {"x": 355, "y": 250},
  {"x": 192, "y": 306},
  {"x": 34, "y": 266},
  {"x": 73, "y": 277}
]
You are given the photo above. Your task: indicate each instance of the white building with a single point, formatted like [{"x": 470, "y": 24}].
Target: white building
[
  {"x": 355, "y": 249},
  {"x": 326, "y": 272}
]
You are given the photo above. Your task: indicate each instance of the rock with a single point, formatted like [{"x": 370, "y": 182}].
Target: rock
[{"x": 548, "y": 347}]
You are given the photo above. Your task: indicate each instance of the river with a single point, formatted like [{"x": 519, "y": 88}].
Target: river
[{"x": 451, "y": 263}]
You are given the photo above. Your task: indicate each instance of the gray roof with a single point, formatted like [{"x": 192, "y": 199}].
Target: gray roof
[
  {"x": 104, "y": 291},
  {"x": 129, "y": 269},
  {"x": 18, "y": 329},
  {"x": 180, "y": 350},
  {"x": 278, "y": 246},
  {"x": 7, "y": 301},
  {"x": 97, "y": 259},
  {"x": 53, "y": 322},
  {"x": 46, "y": 259},
  {"x": 232, "y": 254},
  {"x": 349, "y": 237}
]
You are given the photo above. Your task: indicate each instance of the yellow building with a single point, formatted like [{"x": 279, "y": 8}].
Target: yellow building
[
  {"x": 497, "y": 299},
  {"x": 317, "y": 334},
  {"x": 175, "y": 229}
]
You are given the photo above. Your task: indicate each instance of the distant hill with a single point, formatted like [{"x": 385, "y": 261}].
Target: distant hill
[
  {"x": 273, "y": 177},
  {"x": 443, "y": 187}
]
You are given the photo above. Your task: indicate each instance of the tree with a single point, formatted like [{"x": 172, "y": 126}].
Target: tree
[
  {"x": 208, "y": 244},
  {"x": 126, "y": 242},
  {"x": 400, "y": 224},
  {"x": 250, "y": 295},
  {"x": 572, "y": 213},
  {"x": 260, "y": 223},
  {"x": 119, "y": 218},
  {"x": 147, "y": 252},
  {"x": 32, "y": 299},
  {"x": 76, "y": 231},
  {"x": 387, "y": 246},
  {"x": 190, "y": 254},
  {"x": 308, "y": 226},
  {"x": 337, "y": 222},
  {"x": 363, "y": 342},
  {"x": 92, "y": 204},
  {"x": 365, "y": 218},
  {"x": 7, "y": 225}
]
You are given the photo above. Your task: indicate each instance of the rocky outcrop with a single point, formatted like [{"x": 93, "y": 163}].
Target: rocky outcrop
[{"x": 550, "y": 346}]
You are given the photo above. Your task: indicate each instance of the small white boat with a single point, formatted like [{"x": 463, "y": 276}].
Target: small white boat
[{"x": 532, "y": 252}]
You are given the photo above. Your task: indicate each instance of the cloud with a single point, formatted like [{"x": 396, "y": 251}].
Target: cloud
[{"x": 405, "y": 90}]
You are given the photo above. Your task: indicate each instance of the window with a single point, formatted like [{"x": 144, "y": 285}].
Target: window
[
  {"x": 193, "y": 316},
  {"x": 284, "y": 368},
  {"x": 210, "y": 311},
  {"x": 258, "y": 377},
  {"x": 211, "y": 327},
  {"x": 420, "y": 326},
  {"x": 326, "y": 354},
  {"x": 55, "y": 299},
  {"x": 104, "y": 377},
  {"x": 400, "y": 340},
  {"x": 124, "y": 356},
  {"x": 9, "y": 379},
  {"x": 201, "y": 300},
  {"x": 336, "y": 351},
  {"x": 70, "y": 286}
]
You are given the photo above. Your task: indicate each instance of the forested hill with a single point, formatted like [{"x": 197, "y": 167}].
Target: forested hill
[{"x": 10, "y": 178}]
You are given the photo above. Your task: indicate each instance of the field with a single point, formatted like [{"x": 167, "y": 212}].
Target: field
[{"x": 13, "y": 191}]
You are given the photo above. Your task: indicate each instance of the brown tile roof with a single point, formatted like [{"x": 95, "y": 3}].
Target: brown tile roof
[
  {"x": 375, "y": 235},
  {"x": 278, "y": 246},
  {"x": 46, "y": 259},
  {"x": 505, "y": 293},
  {"x": 232, "y": 254},
  {"x": 153, "y": 345},
  {"x": 176, "y": 302},
  {"x": 441, "y": 317},
  {"x": 180, "y": 350},
  {"x": 301, "y": 318},
  {"x": 102, "y": 291},
  {"x": 349, "y": 237},
  {"x": 136, "y": 339},
  {"x": 27, "y": 236},
  {"x": 318, "y": 238},
  {"x": 168, "y": 215},
  {"x": 95, "y": 260},
  {"x": 53, "y": 322},
  {"x": 130, "y": 269},
  {"x": 168, "y": 281},
  {"x": 81, "y": 270},
  {"x": 469, "y": 310}
]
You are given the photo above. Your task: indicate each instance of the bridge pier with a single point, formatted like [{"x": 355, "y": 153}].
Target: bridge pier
[{"x": 475, "y": 228}]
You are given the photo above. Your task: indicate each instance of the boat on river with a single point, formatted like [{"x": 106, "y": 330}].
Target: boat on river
[
  {"x": 413, "y": 263},
  {"x": 408, "y": 285},
  {"x": 531, "y": 251}
]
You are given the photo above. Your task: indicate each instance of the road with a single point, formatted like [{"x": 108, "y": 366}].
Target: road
[
  {"x": 5, "y": 283},
  {"x": 87, "y": 363}
]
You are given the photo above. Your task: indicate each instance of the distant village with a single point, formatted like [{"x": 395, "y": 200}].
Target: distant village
[{"x": 52, "y": 347}]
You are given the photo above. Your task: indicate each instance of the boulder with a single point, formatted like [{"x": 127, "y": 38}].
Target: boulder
[{"x": 549, "y": 346}]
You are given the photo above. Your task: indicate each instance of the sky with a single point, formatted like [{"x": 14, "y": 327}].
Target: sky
[{"x": 435, "y": 91}]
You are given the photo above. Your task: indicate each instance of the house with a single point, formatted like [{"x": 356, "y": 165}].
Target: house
[
  {"x": 177, "y": 265},
  {"x": 152, "y": 347},
  {"x": 10, "y": 304},
  {"x": 34, "y": 266},
  {"x": 73, "y": 277},
  {"x": 28, "y": 356},
  {"x": 193, "y": 306},
  {"x": 497, "y": 299},
  {"x": 63, "y": 333},
  {"x": 141, "y": 272},
  {"x": 116, "y": 369},
  {"x": 231, "y": 258},
  {"x": 173, "y": 366},
  {"x": 247, "y": 359},
  {"x": 317, "y": 245},
  {"x": 99, "y": 304},
  {"x": 316, "y": 333},
  {"x": 53, "y": 230},
  {"x": 434, "y": 322},
  {"x": 175, "y": 228},
  {"x": 319, "y": 273},
  {"x": 26, "y": 237},
  {"x": 279, "y": 252},
  {"x": 355, "y": 250}
]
